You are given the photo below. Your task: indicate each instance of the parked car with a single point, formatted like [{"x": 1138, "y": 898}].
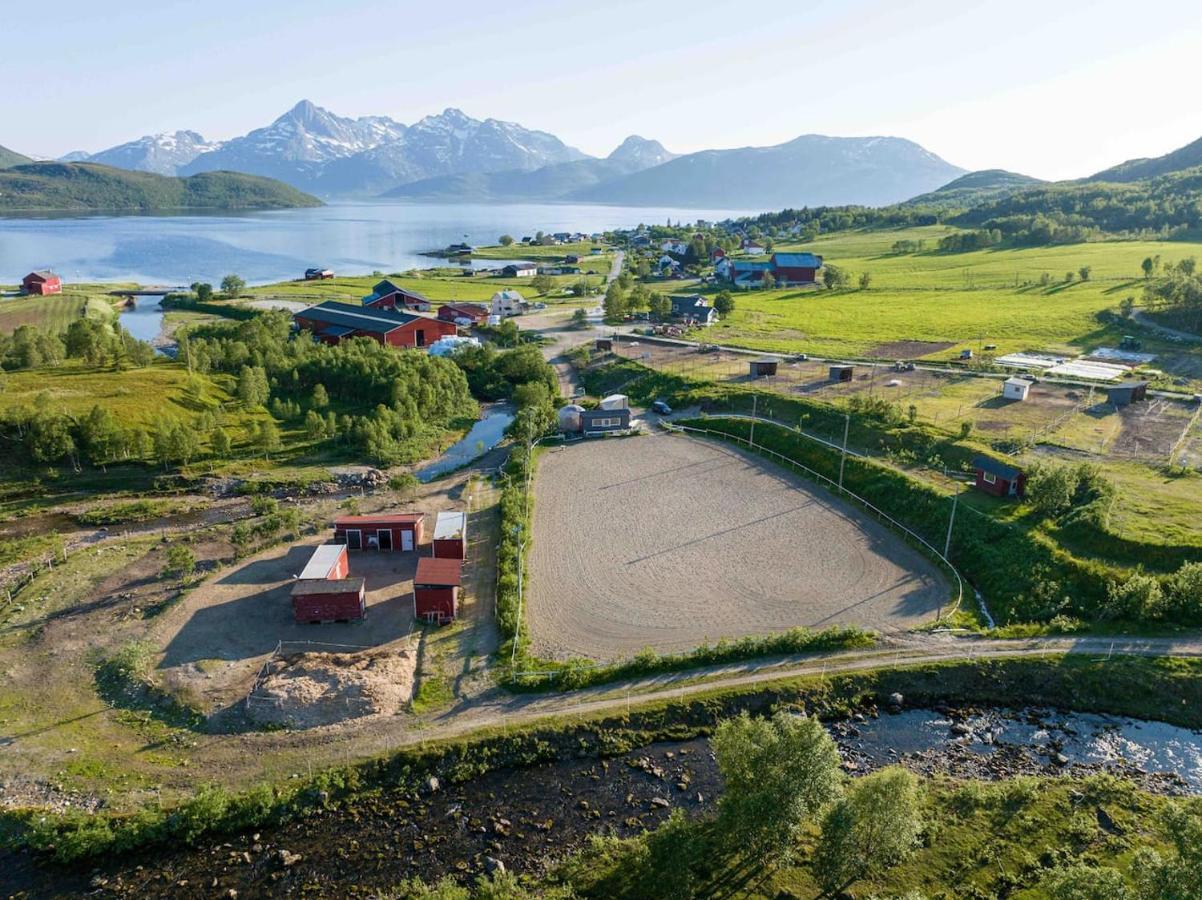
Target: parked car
[{"x": 661, "y": 407}]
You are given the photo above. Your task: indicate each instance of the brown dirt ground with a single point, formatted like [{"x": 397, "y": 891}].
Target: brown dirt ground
[
  {"x": 667, "y": 541},
  {"x": 909, "y": 349},
  {"x": 1150, "y": 429}
]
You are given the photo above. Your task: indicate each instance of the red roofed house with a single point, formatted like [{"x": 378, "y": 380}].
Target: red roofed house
[
  {"x": 998, "y": 478},
  {"x": 436, "y": 589},
  {"x": 477, "y": 312},
  {"x": 332, "y": 322},
  {"x": 379, "y": 532},
  {"x": 44, "y": 282}
]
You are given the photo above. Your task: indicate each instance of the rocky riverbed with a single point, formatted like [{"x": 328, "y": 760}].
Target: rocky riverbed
[{"x": 524, "y": 819}]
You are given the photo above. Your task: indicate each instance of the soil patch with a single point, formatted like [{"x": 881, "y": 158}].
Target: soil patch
[
  {"x": 304, "y": 690},
  {"x": 908, "y": 349}
]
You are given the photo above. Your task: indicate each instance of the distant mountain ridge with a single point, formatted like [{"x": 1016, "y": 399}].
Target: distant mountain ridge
[
  {"x": 1187, "y": 157},
  {"x": 12, "y": 158},
  {"x": 162, "y": 154},
  {"x": 975, "y": 187},
  {"x": 90, "y": 186}
]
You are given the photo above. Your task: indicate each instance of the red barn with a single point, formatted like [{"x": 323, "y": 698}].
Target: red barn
[
  {"x": 332, "y": 322},
  {"x": 386, "y": 295},
  {"x": 998, "y": 478},
  {"x": 450, "y": 535},
  {"x": 329, "y": 600},
  {"x": 327, "y": 561},
  {"x": 402, "y": 531},
  {"x": 44, "y": 282},
  {"x": 795, "y": 268},
  {"x": 477, "y": 312},
  {"x": 436, "y": 589}
]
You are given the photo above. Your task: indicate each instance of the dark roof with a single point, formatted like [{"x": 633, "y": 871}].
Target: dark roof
[
  {"x": 599, "y": 413},
  {"x": 44, "y": 274},
  {"x": 357, "y": 317},
  {"x": 996, "y": 467},
  {"x": 438, "y": 571},
  {"x": 468, "y": 309},
  {"x": 386, "y": 288},
  {"x": 326, "y": 586},
  {"x": 1128, "y": 385}
]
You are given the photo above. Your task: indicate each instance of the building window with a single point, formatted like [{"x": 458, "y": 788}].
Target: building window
[{"x": 989, "y": 478}]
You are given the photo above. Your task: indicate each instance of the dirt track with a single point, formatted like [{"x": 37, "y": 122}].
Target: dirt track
[{"x": 667, "y": 541}]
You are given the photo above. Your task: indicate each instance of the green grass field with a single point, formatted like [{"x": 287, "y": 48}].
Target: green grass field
[
  {"x": 965, "y": 299},
  {"x": 56, "y": 312}
]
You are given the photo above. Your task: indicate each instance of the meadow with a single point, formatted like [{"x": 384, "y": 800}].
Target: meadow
[
  {"x": 965, "y": 300},
  {"x": 56, "y": 312}
]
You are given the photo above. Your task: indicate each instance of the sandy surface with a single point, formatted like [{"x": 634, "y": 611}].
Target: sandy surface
[{"x": 668, "y": 541}]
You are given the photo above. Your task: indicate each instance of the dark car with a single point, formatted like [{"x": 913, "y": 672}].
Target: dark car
[{"x": 661, "y": 407}]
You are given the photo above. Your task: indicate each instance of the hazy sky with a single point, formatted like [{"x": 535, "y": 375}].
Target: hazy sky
[{"x": 1057, "y": 88}]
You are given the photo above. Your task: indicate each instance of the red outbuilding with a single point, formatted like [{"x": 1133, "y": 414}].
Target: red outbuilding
[
  {"x": 477, "y": 312},
  {"x": 402, "y": 531},
  {"x": 998, "y": 478},
  {"x": 332, "y": 322},
  {"x": 329, "y": 600},
  {"x": 450, "y": 535},
  {"x": 327, "y": 561},
  {"x": 44, "y": 282},
  {"x": 387, "y": 295},
  {"x": 436, "y": 589}
]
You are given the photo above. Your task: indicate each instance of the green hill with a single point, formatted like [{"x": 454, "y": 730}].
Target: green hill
[
  {"x": 973, "y": 188},
  {"x": 71, "y": 186},
  {"x": 1186, "y": 157},
  {"x": 12, "y": 158}
]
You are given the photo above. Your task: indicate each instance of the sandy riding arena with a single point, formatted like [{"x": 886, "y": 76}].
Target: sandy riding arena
[{"x": 667, "y": 541}]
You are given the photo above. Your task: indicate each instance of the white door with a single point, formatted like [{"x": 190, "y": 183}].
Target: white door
[{"x": 406, "y": 540}]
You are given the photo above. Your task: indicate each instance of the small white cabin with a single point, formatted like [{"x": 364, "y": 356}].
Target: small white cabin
[{"x": 1016, "y": 388}]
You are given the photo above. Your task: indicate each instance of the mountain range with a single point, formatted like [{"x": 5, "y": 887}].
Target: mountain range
[{"x": 452, "y": 156}]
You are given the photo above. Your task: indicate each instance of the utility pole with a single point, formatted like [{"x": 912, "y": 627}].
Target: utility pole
[
  {"x": 947, "y": 545},
  {"x": 843, "y": 458}
]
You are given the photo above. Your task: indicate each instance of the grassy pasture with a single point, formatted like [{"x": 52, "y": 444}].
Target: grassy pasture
[
  {"x": 965, "y": 299},
  {"x": 54, "y": 313}
]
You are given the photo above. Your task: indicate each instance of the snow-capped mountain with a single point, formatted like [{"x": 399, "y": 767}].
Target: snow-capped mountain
[
  {"x": 640, "y": 153},
  {"x": 162, "y": 154}
]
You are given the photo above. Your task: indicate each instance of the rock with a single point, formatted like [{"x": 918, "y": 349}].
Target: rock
[
  {"x": 432, "y": 784},
  {"x": 287, "y": 858},
  {"x": 493, "y": 866},
  {"x": 960, "y": 728},
  {"x": 1061, "y": 759},
  {"x": 232, "y": 893},
  {"x": 700, "y": 797},
  {"x": 896, "y": 700},
  {"x": 660, "y": 801}
]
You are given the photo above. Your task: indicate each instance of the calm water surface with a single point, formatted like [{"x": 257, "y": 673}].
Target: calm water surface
[{"x": 271, "y": 246}]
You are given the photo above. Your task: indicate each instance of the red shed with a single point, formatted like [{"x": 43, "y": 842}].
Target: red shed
[
  {"x": 402, "y": 531},
  {"x": 477, "y": 312},
  {"x": 436, "y": 589},
  {"x": 386, "y": 295},
  {"x": 450, "y": 535},
  {"x": 44, "y": 282},
  {"x": 327, "y": 561},
  {"x": 333, "y": 322},
  {"x": 329, "y": 600},
  {"x": 998, "y": 478}
]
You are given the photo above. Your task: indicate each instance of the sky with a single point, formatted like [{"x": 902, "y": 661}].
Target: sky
[{"x": 1054, "y": 89}]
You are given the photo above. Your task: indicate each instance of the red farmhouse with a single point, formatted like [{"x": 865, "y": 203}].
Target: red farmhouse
[
  {"x": 386, "y": 295},
  {"x": 45, "y": 282},
  {"x": 436, "y": 589},
  {"x": 998, "y": 478},
  {"x": 333, "y": 322},
  {"x": 477, "y": 312},
  {"x": 379, "y": 532},
  {"x": 329, "y": 600}
]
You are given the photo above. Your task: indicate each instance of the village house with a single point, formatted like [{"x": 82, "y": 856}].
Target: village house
[
  {"x": 519, "y": 270},
  {"x": 751, "y": 248},
  {"x": 508, "y": 303},
  {"x": 692, "y": 309},
  {"x": 676, "y": 246},
  {"x": 42, "y": 282},
  {"x": 998, "y": 478},
  {"x": 387, "y": 295},
  {"x": 464, "y": 313},
  {"x": 332, "y": 322},
  {"x": 786, "y": 269}
]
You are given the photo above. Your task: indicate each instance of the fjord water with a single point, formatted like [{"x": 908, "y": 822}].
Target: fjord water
[{"x": 265, "y": 246}]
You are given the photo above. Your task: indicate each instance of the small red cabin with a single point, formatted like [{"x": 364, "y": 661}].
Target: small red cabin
[
  {"x": 998, "y": 478},
  {"x": 450, "y": 535},
  {"x": 436, "y": 589},
  {"x": 327, "y": 561},
  {"x": 449, "y": 312},
  {"x": 380, "y": 532},
  {"x": 44, "y": 282},
  {"x": 329, "y": 600}
]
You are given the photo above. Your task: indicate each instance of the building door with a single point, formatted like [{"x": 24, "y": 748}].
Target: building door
[
  {"x": 354, "y": 539},
  {"x": 406, "y": 540},
  {"x": 384, "y": 538},
  {"x": 421, "y": 337}
]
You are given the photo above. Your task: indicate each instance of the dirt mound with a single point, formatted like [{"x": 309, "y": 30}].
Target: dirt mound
[{"x": 304, "y": 690}]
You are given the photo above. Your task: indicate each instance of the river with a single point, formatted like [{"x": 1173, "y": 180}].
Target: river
[{"x": 267, "y": 246}]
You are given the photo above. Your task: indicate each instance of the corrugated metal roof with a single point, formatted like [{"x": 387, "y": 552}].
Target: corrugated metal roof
[
  {"x": 438, "y": 572},
  {"x": 797, "y": 260},
  {"x": 327, "y": 586},
  {"x": 322, "y": 560},
  {"x": 449, "y": 526},
  {"x": 357, "y": 317}
]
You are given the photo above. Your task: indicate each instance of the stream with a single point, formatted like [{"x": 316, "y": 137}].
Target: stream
[
  {"x": 144, "y": 319},
  {"x": 482, "y": 437},
  {"x": 528, "y": 817}
]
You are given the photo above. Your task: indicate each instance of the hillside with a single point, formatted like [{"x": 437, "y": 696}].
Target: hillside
[
  {"x": 67, "y": 186},
  {"x": 973, "y": 188},
  {"x": 12, "y": 158},
  {"x": 1182, "y": 158},
  {"x": 811, "y": 170}
]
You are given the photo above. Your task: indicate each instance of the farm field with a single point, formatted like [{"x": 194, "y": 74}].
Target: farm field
[
  {"x": 56, "y": 312},
  {"x": 668, "y": 542},
  {"x": 960, "y": 300}
]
